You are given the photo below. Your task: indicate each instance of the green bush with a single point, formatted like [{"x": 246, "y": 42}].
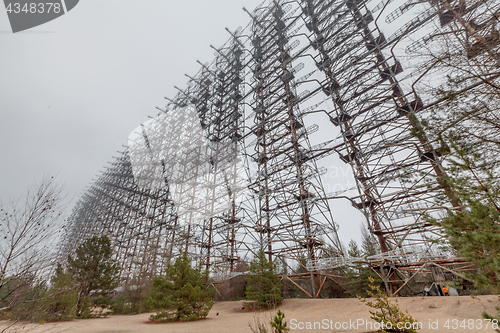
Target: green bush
[
  {"x": 263, "y": 283},
  {"x": 32, "y": 303},
  {"x": 358, "y": 281},
  {"x": 39, "y": 303},
  {"x": 12, "y": 292},
  {"x": 132, "y": 301},
  {"x": 96, "y": 274},
  {"x": 62, "y": 297},
  {"x": 386, "y": 312},
  {"x": 181, "y": 295},
  {"x": 88, "y": 282},
  {"x": 278, "y": 324}
]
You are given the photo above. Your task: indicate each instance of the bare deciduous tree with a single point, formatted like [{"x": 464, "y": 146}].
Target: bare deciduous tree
[{"x": 28, "y": 231}]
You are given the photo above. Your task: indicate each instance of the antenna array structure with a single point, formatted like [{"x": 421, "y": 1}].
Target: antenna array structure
[{"x": 351, "y": 66}]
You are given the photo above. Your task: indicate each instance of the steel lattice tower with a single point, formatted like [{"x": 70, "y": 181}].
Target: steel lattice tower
[{"x": 344, "y": 64}]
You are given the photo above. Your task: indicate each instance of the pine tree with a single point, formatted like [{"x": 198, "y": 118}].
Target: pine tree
[
  {"x": 181, "y": 295},
  {"x": 388, "y": 313},
  {"x": 470, "y": 131},
  {"x": 475, "y": 233},
  {"x": 463, "y": 127},
  {"x": 474, "y": 230},
  {"x": 62, "y": 297},
  {"x": 96, "y": 274},
  {"x": 369, "y": 245},
  {"x": 353, "y": 250},
  {"x": 359, "y": 274},
  {"x": 278, "y": 324},
  {"x": 263, "y": 283}
]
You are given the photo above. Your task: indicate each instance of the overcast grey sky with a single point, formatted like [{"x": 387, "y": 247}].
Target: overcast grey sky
[{"x": 74, "y": 88}]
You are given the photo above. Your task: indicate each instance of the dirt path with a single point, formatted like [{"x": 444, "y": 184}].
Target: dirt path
[{"x": 301, "y": 315}]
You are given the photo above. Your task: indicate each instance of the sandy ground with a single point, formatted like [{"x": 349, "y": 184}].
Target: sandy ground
[{"x": 227, "y": 317}]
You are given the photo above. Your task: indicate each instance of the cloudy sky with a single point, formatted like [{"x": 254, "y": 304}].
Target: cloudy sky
[{"x": 74, "y": 88}]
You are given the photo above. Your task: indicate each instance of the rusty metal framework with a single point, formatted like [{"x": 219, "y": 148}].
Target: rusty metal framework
[{"x": 305, "y": 85}]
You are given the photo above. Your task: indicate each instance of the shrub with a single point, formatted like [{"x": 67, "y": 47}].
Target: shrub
[
  {"x": 278, "y": 323},
  {"x": 358, "y": 281},
  {"x": 31, "y": 305},
  {"x": 40, "y": 303},
  {"x": 263, "y": 283},
  {"x": 132, "y": 299},
  {"x": 181, "y": 295},
  {"x": 386, "y": 312},
  {"x": 62, "y": 297}
]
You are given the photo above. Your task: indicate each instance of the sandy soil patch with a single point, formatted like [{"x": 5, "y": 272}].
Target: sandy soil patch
[{"x": 228, "y": 317}]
